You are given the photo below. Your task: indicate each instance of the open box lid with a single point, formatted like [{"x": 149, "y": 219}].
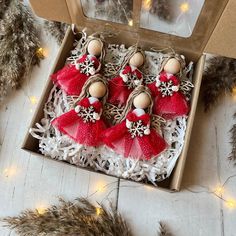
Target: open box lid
[{"x": 213, "y": 29}]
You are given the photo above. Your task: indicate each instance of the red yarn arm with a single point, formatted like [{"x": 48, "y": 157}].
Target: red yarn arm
[
  {"x": 126, "y": 70},
  {"x": 97, "y": 106},
  {"x": 138, "y": 74},
  {"x": 175, "y": 80}
]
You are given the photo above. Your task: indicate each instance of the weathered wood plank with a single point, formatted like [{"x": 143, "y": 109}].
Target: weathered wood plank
[
  {"x": 29, "y": 181},
  {"x": 189, "y": 213}
]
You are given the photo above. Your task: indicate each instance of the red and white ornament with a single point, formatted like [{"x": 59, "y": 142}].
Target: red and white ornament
[
  {"x": 71, "y": 78},
  {"x": 84, "y": 124},
  {"x": 128, "y": 79},
  {"x": 169, "y": 102},
  {"x": 134, "y": 137}
]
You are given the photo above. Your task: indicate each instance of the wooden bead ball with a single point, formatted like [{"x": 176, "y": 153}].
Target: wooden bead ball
[
  {"x": 172, "y": 66},
  {"x": 142, "y": 101},
  {"x": 94, "y": 47},
  {"x": 97, "y": 89},
  {"x": 137, "y": 59}
]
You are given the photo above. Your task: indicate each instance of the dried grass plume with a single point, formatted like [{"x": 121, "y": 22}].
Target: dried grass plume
[
  {"x": 3, "y": 7},
  {"x": 18, "y": 45},
  {"x": 70, "y": 218},
  {"x": 56, "y": 29},
  {"x": 163, "y": 231},
  {"x": 219, "y": 78},
  {"x": 232, "y": 155},
  {"x": 163, "y": 9}
]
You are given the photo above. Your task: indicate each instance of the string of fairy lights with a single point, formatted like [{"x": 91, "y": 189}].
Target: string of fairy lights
[
  {"x": 218, "y": 191},
  {"x": 101, "y": 187},
  {"x": 40, "y": 53}
]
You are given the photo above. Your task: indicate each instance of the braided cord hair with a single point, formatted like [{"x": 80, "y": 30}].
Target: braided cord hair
[
  {"x": 85, "y": 90},
  {"x": 102, "y": 55},
  {"x": 129, "y": 104},
  {"x": 179, "y": 58},
  {"x": 114, "y": 69},
  {"x": 130, "y": 52}
]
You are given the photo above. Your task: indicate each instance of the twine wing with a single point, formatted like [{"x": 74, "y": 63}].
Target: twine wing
[
  {"x": 186, "y": 88},
  {"x": 112, "y": 112},
  {"x": 157, "y": 122},
  {"x": 148, "y": 79}
]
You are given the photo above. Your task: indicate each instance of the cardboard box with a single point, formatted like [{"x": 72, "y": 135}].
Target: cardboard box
[{"x": 214, "y": 32}]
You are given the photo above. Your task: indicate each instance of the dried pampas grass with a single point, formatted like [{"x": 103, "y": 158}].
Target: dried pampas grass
[
  {"x": 3, "y": 7},
  {"x": 70, "y": 218},
  {"x": 18, "y": 45},
  {"x": 163, "y": 231},
  {"x": 219, "y": 78},
  {"x": 108, "y": 10},
  {"x": 162, "y": 8},
  {"x": 232, "y": 155},
  {"x": 80, "y": 217},
  {"x": 56, "y": 29}
]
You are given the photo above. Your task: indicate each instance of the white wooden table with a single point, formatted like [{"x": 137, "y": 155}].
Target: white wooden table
[{"x": 28, "y": 181}]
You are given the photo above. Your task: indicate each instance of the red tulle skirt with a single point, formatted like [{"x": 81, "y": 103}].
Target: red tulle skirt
[
  {"x": 88, "y": 134},
  {"x": 69, "y": 79},
  {"x": 118, "y": 91},
  {"x": 153, "y": 89},
  {"x": 119, "y": 139},
  {"x": 171, "y": 107}
]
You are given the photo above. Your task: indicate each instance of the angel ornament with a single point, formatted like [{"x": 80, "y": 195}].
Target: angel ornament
[
  {"x": 169, "y": 102},
  {"x": 129, "y": 77},
  {"x": 72, "y": 77},
  {"x": 84, "y": 124},
  {"x": 133, "y": 136}
]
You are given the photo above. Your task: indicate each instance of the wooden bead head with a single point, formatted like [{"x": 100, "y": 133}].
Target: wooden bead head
[
  {"x": 94, "y": 47},
  {"x": 97, "y": 89},
  {"x": 172, "y": 66},
  {"x": 136, "y": 60},
  {"x": 142, "y": 101}
]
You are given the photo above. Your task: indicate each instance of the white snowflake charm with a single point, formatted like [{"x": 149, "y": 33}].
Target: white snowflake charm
[
  {"x": 166, "y": 88},
  {"x": 86, "y": 67},
  {"x": 132, "y": 81},
  {"x": 136, "y": 128},
  {"x": 88, "y": 114}
]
